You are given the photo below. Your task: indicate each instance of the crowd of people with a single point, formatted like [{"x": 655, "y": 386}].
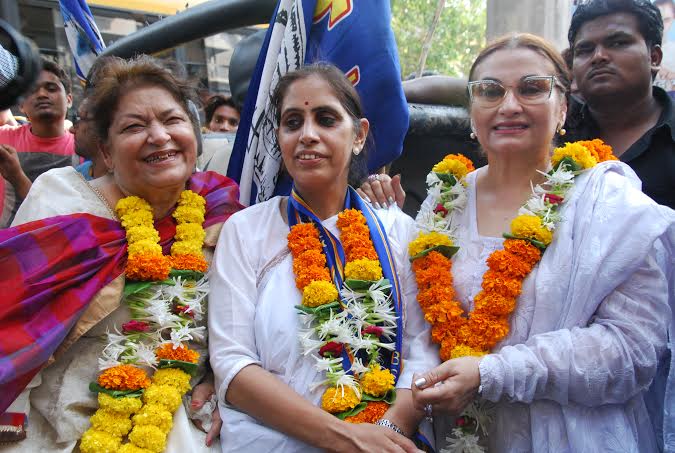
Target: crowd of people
[{"x": 527, "y": 307}]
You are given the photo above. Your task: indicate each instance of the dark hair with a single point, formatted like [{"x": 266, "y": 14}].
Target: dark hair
[
  {"x": 118, "y": 75},
  {"x": 216, "y": 101},
  {"x": 347, "y": 96},
  {"x": 54, "y": 68},
  {"x": 532, "y": 42},
  {"x": 647, "y": 14}
]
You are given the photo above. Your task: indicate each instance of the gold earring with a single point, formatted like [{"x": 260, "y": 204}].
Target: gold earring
[
  {"x": 356, "y": 151},
  {"x": 561, "y": 131}
]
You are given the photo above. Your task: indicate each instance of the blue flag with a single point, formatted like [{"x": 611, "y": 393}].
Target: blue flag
[
  {"x": 83, "y": 36},
  {"x": 354, "y": 35}
]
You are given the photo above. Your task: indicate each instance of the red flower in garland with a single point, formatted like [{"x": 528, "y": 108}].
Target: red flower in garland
[
  {"x": 553, "y": 198},
  {"x": 373, "y": 330},
  {"x": 333, "y": 348},
  {"x": 135, "y": 326},
  {"x": 440, "y": 209}
]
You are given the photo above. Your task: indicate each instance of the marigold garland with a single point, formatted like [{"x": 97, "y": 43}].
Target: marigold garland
[
  {"x": 476, "y": 333},
  {"x": 313, "y": 278},
  {"x": 141, "y": 340}
]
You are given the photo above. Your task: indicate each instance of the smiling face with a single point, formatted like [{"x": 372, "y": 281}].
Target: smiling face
[
  {"x": 48, "y": 100},
  {"x": 512, "y": 127},
  {"x": 611, "y": 58},
  {"x": 151, "y": 143},
  {"x": 317, "y": 136}
]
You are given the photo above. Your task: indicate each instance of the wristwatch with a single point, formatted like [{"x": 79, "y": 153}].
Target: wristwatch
[{"x": 388, "y": 424}]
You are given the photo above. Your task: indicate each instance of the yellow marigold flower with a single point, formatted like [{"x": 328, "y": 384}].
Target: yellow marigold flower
[
  {"x": 131, "y": 448},
  {"x": 187, "y": 214},
  {"x": 190, "y": 232},
  {"x": 529, "y": 226},
  {"x": 132, "y": 204},
  {"x": 164, "y": 395},
  {"x": 336, "y": 400},
  {"x": 182, "y": 352},
  {"x": 155, "y": 415},
  {"x": 319, "y": 293},
  {"x": 125, "y": 405},
  {"x": 174, "y": 377},
  {"x": 142, "y": 233},
  {"x": 138, "y": 218},
  {"x": 124, "y": 377},
  {"x": 450, "y": 164},
  {"x": 577, "y": 151},
  {"x": 377, "y": 382},
  {"x": 425, "y": 241},
  {"x": 186, "y": 248},
  {"x": 363, "y": 269},
  {"x": 94, "y": 441},
  {"x": 192, "y": 199},
  {"x": 148, "y": 436},
  {"x": 462, "y": 350},
  {"x": 114, "y": 423},
  {"x": 145, "y": 247}
]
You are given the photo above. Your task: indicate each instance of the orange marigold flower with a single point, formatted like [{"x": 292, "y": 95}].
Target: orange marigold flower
[
  {"x": 374, "y": 411},
  {"x": 361, "y": 252},
  {"x": 441, "y": 330},
  {"x": 496, "y": 282},
  {"x": 148, "y": 267},
  {"x": 309, "y": 258},
  {"x": 523, "y": 250},
  {"x": 124, "y": 377},
  {"x": 508, "y": 264},
  {"x": 447, "y": 345},
  {"x": 432, "y": 259},
  {"x": 350, "y": 217},
  {"x": 435, "y": 295},
  {"x": 183, "y": 353},
  {"x": 300, "y": 245},
  {"x": 494, "y": 303},
  {"x": 445, "y": 311},
  {"x": 486, "y": 331},
  {"x": 462, "y": 158},
  {"x": 432, "y": 275},
  {"x": 308, "y": 275},
  {"x": 189, "y": 262},
  {"x": 599, "y": 149}
]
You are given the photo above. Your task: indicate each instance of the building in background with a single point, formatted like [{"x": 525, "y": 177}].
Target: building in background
[{"x": 206, "y": 60}]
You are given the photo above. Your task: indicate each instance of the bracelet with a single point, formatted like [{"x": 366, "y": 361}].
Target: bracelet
[{"x": 388, "y": 424}]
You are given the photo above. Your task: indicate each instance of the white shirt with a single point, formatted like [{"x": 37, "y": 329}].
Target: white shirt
[{"x": 252, "y": 319}]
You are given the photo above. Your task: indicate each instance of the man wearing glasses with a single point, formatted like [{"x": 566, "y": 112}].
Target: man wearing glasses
[{"x": 616, "y": 51}]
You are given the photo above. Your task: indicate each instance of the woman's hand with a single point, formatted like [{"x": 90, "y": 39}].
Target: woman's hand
[
  {"x": 382, "y": 191},
  {"x": 202, "y": 393},
  {"x": 449, "y": 387},
  {"x": 365, "y": 437}
]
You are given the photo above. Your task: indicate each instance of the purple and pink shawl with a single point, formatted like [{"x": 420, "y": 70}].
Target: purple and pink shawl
[{"x": 52, "y": 268}]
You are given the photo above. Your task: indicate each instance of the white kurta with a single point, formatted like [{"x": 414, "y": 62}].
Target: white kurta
[
  {"x": 589, "y": 326},
  {"x": 58, "y": 400},
  {"x": 252, "y": 319}
]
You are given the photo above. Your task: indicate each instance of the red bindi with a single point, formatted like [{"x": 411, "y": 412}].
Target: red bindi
[{"x": 306, "y": 103}]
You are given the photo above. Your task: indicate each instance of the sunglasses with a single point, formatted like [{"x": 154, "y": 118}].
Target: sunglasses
[{"x": 530, "y": 90}]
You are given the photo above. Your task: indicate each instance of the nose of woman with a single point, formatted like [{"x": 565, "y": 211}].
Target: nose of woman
[
  {"x": 309, "y": 132},
  {"x": 158, "y": 133},
  {"x": 510, "y": 104}
]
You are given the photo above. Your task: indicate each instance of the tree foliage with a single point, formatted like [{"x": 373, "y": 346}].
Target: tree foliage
[{"x": 458, "y": 38}]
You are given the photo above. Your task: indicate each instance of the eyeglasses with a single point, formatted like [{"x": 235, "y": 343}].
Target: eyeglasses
[{"x": 530, "y": 90}]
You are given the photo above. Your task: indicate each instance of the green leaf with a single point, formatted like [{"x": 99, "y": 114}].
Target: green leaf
[
  {"x": 538, "y": 244},
  {"x": 186, "y": 274},
  {"x": 319, "y": 309},
  {"x": 358, "y": 408},
  {"x": 569, "y": 163},
  {"x": 445, "y": 250},
  {"x": 188, "y": 367},
  {"x": 135, "y": 287},
  {"x": 358, "y": 285},
  {"x": 447, "y": 178},
  {"x": 94, "y": 387},
  {"x": 389, "y": 397}
]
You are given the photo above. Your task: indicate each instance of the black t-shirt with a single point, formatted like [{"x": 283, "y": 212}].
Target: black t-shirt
[{"x": 652, "y": 157}]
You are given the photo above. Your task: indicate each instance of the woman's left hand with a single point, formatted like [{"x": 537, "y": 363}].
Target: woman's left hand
[
  {"x": 449, "y": 387},
  {"x": 202, "y": 393}
]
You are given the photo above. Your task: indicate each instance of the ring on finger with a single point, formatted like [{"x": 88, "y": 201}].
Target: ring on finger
[
  {"x": 429, "y": 412},
  {"x": 372, "y": 178}
]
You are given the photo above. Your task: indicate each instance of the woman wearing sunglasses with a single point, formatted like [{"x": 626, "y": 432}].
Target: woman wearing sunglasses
[{"x": 551, "y": 339}]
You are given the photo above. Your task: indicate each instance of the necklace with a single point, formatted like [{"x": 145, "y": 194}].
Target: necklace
[
  {"x": 164, "y": 294},
  {"x": 349, "y": 328},
  {"x": 476, "y": 333}
]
